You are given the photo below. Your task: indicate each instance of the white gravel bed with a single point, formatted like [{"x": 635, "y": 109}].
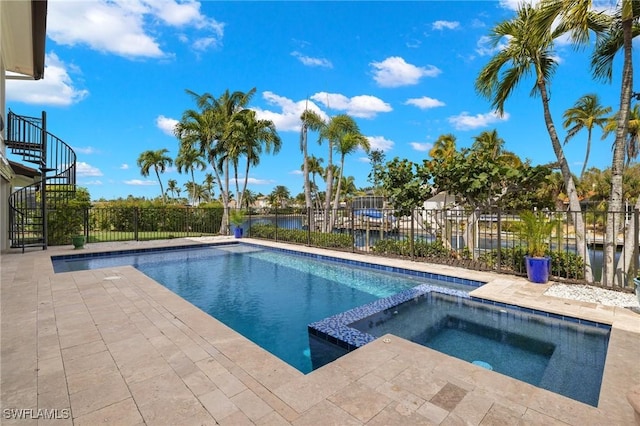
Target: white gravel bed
[{"x": 585, "y": 293}]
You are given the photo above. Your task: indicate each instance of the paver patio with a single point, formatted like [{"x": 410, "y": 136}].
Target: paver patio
[{"x": 112, "y": 346}]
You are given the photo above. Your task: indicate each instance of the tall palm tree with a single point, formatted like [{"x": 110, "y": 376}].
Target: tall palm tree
[
  {"x": 586, "y": 113},
  {"x": 347, "y": 144},
  {"x": 256, "y": 134},
  {"x": 158, "y": 160},
  {"x": 528, "y": 51},
  {"x": 488, "y": 145},
  {"x": 310, "y": 121},
  {"x": 376, "y": 159},
  {"x": 614, "y": 33},
  {"x": 198, "y": 128},
  {"x": 214, "y": 129},
  {"x": 188, "y": 160},
  {"x": 333, "y": 132},
  {"x": 444, "y": 147}
]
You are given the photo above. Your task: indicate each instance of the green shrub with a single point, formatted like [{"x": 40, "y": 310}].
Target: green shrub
[
  {"x": 300, "y": 236},
  {"x": 403, "y": 248}
]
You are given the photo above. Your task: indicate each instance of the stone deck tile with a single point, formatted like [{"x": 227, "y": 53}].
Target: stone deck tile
[{"x": 159, "y": 360}]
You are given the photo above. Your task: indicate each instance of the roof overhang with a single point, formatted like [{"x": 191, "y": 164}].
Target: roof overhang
[{"x": 24, "y": 32}]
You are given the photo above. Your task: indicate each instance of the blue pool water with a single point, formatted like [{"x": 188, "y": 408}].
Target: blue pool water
[{"x": 265, "y": 295}]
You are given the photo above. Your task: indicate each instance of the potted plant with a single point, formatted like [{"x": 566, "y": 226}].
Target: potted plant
[
  {"x": 236, "y": 218},
  {"x": 535, "y": 229},
  {"x": 78, "y": 241}
]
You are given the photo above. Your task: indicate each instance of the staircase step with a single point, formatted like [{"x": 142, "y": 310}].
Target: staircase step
[{"x": 27, "y": 146}]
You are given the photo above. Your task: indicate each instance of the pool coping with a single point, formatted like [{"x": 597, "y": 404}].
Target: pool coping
[{"x": 382, "y": 382}]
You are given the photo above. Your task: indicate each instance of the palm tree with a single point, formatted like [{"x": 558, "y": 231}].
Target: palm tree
[
  {"x": 348, "y": 186},
  {"x": 347, "y": 144},
  {"x": 528, "y": 51},
  {"x": 632, "y": 144},
  {"x": 281, "y": 194},
  {"x": 199, "y": 129},
  {"x": 172, "y": 184},
  {"x": 614, "y": 33},
  {"x": 256, "y": 134},
  {"x": 213, "y": 129},
  {"x": 159, "y": 160},
  {"x": 334, "y": 132},
  {"x": 189, "y": 159},
  {"x": 209, "y": 181},
  {"x": 310, "y": 121},
  {"x": 488, "y": 145},
  {"x": 315, "y": 168},
  {"x": 249, "y": 199},
  {"x": 587, "y": 113},
  {"x": 444, "y": 147}
]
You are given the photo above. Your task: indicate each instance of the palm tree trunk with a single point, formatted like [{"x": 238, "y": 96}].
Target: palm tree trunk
[
  {"x": 617, "y": 165},
  {"x": 336, "y": 201},
  {"x": 329, "y": 189},
  {"x": 224, "y": 226},
  {"x": 244, "y": 184},
  {"x": 586, "y": 157},
  {"x": 305, "y": 172},
  {"x": 164, "y": 197},
  {"x": 574, "y": 202}
]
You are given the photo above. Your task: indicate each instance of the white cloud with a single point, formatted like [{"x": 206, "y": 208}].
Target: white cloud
[
  {"x": 56, "y": 88},
  {"x": 85, "y": 150},
  {"x": 254, "y": 181},
  {"x": 93, "y": 182},
  {"x": 288, "y": 119},
  {"x": 363, "y": 106},
  {"x": 85, "y": 169},
  {"x": 422, "y": 147},
  {"x": 484, "y": 46},
  {"x": 124, "y": 166},
  {"x": 445, "y": 25},
  {"x": 395, "y": 72},
  {"x": 514, "y": 4},
  {"x": 295, "y": 172},
  {"x": 380, "y": 143},
  {"x": 123, "y": 27},
  {"x": 166, "y": 124},
  {"x": 312, "y": 62},
  {"x": 140, "y": 182},
  {"x": 424, "y": 102},
  {"x": 465, "y": 121}
]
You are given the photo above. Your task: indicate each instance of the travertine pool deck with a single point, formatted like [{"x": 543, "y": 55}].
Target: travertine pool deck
[{"x": 112, "y": 346}]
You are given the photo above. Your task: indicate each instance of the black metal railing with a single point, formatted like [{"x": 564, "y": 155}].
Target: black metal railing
[
  {"x": 55, "y": 161},
  {"x": 482, "y": 240}
]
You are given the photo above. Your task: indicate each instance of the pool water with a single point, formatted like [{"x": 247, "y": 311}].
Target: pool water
[
  {"x": 268, "y": 296},
  {"x": 560, "y": 355}
]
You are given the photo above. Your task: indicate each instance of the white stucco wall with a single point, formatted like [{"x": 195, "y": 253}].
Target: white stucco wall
[{"x": 4, "y": 184}]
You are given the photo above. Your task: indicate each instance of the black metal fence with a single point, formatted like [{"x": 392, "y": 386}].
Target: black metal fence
[
  {"x": 100, "y": 224},
  {"x": 484, "y": 240}
]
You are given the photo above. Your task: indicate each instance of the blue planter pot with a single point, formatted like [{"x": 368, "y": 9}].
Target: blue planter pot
[
  {"x": 237, "y": 232},
  {"x": 636, "y": 281},
  {"x": 538, "y": 269}
]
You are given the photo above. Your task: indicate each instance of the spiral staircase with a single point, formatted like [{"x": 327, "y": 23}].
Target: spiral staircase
[{"x": 28, "y": 138}]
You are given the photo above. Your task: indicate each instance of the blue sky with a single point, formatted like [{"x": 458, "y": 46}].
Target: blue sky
[{"x": 116, "y": 74}]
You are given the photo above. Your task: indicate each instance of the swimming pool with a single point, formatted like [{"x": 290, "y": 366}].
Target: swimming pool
[{"x": 269, "y": 296}]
